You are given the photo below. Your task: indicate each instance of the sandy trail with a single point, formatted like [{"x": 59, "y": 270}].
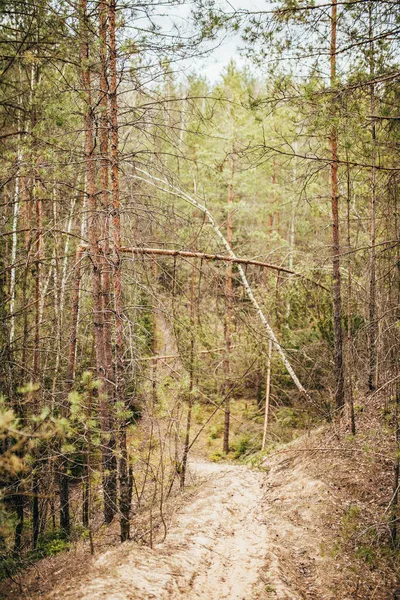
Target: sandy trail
[
  {"x": 241, "y": 534},
  {"x": 238, "y": 534},
  {"x": 215, "y": 548}
]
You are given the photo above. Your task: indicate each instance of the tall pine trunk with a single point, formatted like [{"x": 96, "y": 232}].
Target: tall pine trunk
[
  {"x": 37, "y": 286},
  {"x": 350, "y": 398},
  {"x": 124, "y": 480},
  {"x": 105, "y": 194},
  {"x": 337, "y": 300},
  {"x": 372, "y": 326},
  {"x": 396, "y": 372},
  {"x": 109, "y": 488},
  {"x": 69, "y": 382},
  {"x": 228, "y": 313},
  {"x": 186, "y": 446}
]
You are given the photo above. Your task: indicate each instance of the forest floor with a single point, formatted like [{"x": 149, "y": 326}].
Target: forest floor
[{"x": 237, "y": 533}]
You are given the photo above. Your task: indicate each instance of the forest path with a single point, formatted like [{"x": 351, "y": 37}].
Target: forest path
[{"x": 241, "y": 535}]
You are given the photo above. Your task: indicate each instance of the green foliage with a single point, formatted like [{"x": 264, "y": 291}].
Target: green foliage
[
  {"x": 197, "y": 412},
  {"x": 351, "y": 520},
  {"x": 216, "y": 431},
  {"x": 262, "y": 142},
  {"x": 287, "y": 417},
  {"x": 50, "y": 544},
  {"x": 217, "y": 456},
  {"x": 80, "y": 425},
  {"x": 245, "y": 445},
  {"x": 366, "y": 553},
  {"x": 9, "y": 564},
  {"x": 366, "y": 542}
]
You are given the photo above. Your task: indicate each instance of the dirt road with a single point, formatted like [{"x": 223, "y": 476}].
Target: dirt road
[
  {"x": 214, "y": 548},
  {"x": 241, "y": 534}
]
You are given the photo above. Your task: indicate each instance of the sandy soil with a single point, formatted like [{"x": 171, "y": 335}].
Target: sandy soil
[
  {"x": 242, "y": 535},
  {"x": 214, "y": 548}
]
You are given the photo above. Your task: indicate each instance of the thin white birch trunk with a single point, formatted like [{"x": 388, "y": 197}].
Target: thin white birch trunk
[
  {"x": 65, "y": 259},
  {"x": 267, "y": 394},
  {"x": 60, "y": 287},
  {"x": 14, "y": 250}
]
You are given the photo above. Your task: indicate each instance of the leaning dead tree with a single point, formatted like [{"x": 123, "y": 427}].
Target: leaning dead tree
[
  {"x": 171, "y": 189},
  {"x": 232, "y": 258}
]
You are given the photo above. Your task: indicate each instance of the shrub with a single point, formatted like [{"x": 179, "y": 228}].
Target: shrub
[
  {"x": 52, "y": 543},
  {"x": 245, "y": 445}
]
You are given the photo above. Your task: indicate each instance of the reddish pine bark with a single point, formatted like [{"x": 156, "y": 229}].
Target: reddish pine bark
[
  {"x": 109, "y": 490},
  {"x": 105, "y": 195},
  {"x": 124, "y": 503}
]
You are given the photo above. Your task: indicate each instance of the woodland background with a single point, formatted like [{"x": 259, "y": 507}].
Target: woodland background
[{"x": 118, "y": 350}]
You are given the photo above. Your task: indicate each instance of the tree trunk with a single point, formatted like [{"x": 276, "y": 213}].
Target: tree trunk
[
  {"x": 105, "y": 196},
  {"x": 25, "y": 286},
  {"x": 36, "y": 342},
  {"x": 109, "y": 488},
  {"x": 18, "y": 498},
  {"x": 350, "y": 398},
  {"x": 69, "y": 381},
  {"x": 19, "y": 509},
  {"x": 124, "y": 503},
  {"x": 87, "y": 485},
  {"x": 292, "y": 230},
  {"x": 191, "y": 379},
  {"x": 372, "y": 329},
  {"x": 155, "y": 361},
  {"x": 337, "y": 300},
  {"x": 267, "y": 394},
  {"x": 228, "y": 313},
  {"x": 14, "y": 251},
  {"x": 396, "y": 470},
  {"x": 106, "y": 264},
  {"x": 395, "y": 366}
]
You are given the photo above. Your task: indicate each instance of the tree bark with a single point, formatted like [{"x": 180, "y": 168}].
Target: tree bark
[
  {"x": 36, "y": 342},
  {"x": 350, "y": 398},
  {"x": 372, "y": 326},
  {"x": 337, "y": 300},
  {"x": 267, "y": 394},
  {"x": 228, "y": 313},
  {"x": 105, "y": 194},
  {"x": 292, "y": 230},
  {"x": 69, "y": 381},
  {"x": 109, "y": 488},
  {"x": 191, "y": 379},
  {"x": 124, "y": 503},
  {"x": 155, "y": 333},
  {"x": 18, "y": 498}
]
